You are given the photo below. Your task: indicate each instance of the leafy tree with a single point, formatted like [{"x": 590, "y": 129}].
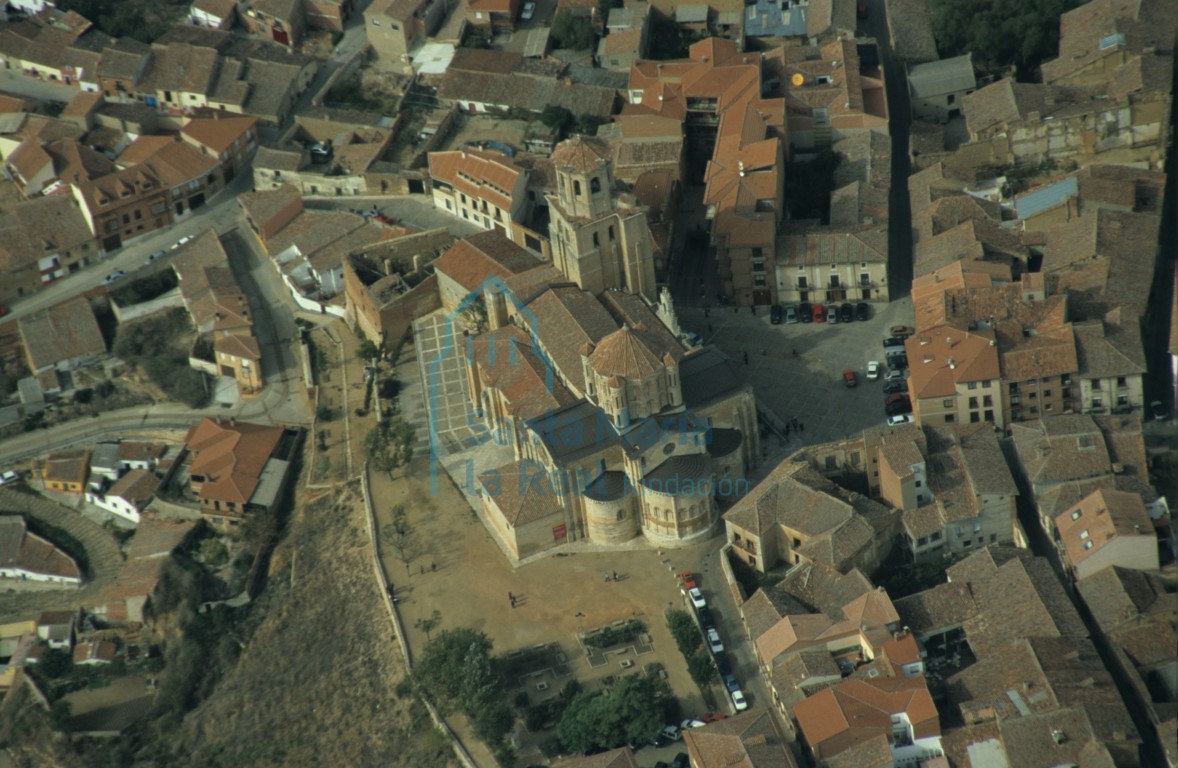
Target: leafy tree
[
  {"x": 400, "y": 535},
  {"x": 1000, "y": 33},
  {"x": 633, "y": 708},
  {"x": 369, "y": 352},
  {"x": 587, "y": 125},
  {"x": 459, "y": 671},
  {"x": 390, "y": 444},
  {"x": 323, "y": 413},
  {"x": 427, "y": 625},
  {"x": 685, "y": 631},
  {"x": 556, "y": 118},
  {"x": 667, "y": 39},
  {"x": 55, "y": 664},
  {"x": 572, "y": 32},
  {"x": 61, "y": 715},
  {"x": 701, "y": 667},
  {"x": 213, "y": 553}
]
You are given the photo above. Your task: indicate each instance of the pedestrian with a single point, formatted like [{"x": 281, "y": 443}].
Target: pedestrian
[
  {"x": 423, "y": 570},
  {"x": 801, "y": 426},
  {"x": 433, "y": 567},
  {"x": 511, "y": 597},
  {"x": 607, "y": 575},
  {"x": 513, "y": 602},
  {"x": 746, "y": 358},
  {"x": 735, "y": 310},
  {"x": 787, "y": 430},
  {"x": 795, "y": 353},
  {"x": 615, "y": 575},
  {"x": 709, "y": 329}
]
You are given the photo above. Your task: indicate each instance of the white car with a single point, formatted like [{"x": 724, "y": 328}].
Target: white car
[
  {"x": 156, "y": 255},
  {"x": 528, "y": 12},
  {"x": 671, "y": 733},
  {"x": 873, "y": 370},
  {"x": 738, "y": 701},
  {"x": 697, "y": 597},
  {"x": 118, "y": 274},
  {"x": 9, "y": 477},
  {"x": 894, "y": 375},
  {"x": 900, "y": 418},
  {"x": 182, "y": 242},
  {"x": 714, "y": 641},
  {"x": 686, "y": 724}
]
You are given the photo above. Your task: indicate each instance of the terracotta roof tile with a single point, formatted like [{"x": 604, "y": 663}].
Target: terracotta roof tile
[
  {"x": 484, "y": 255},
  {"x": 231, "y": 456},
  {"x": 65, "y": 332}
]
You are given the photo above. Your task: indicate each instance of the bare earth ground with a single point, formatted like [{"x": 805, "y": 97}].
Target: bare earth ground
[{"x": 315, "y": 684}]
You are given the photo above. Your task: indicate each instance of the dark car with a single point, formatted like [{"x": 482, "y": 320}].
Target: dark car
[
  {"x": 658, "y": 740},
  {"x": 705, "y": 618},
  {"x": 681, "y": 761},
  {"x": 846, "y": 313},
  {"x": 775, "y": 314},
  {"x": 894, "y": 386},
  {"x": 897, "y": 362},
  {"x": 722, "y": 665},
  {"x": 897, "y": 398},
  {"x": 806, "y": 312},
  {"x": 893, "y": 406},
  {"x": 862, "y": 311},
  {"x": 893, "y": 342}
]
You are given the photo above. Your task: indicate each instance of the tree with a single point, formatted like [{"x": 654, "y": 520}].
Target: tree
[
  {"x": 427, "y": 625},
  {"x": 459, "y": 671},
  {"x": 390, "y": 444},
  {"x": 587, "y": 124},
  {"x": 55, "y": 663},
  {"x": 556, "y": 118},
  {"x": 1000, "y": 33},
  {"x": 685, "y": 631},
  {"x": 572, "y": 32},
  {"x": 400, "y": 535},
  {"x": 701, "y": 667},
  {"x": 369, "y": 352},
  {"x": 634, "y": 708},
  {"x": 61, "y": 715}
]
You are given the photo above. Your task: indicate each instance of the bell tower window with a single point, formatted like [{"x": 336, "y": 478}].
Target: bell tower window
[{"x": 594, "y": 185}]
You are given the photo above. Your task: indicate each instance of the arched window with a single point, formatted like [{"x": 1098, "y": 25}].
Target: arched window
[
  {"x": 576, "y": 187},
  {"x": 596, "y": 241},
  {"x": 594, "y": 185}
]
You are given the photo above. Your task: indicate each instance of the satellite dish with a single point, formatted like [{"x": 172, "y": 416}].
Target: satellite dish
[{"x": 797, "y": 79}]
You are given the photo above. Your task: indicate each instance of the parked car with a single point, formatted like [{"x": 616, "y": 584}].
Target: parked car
[
  {"x": 705, "y": 618},
  {"x": 681, "y": 761},
  {"x": 897, "y": 398},
  {"x": 118, "y": 274},
  {"x": 819, "y": 313},
  {"x": 898, "y": 362},
  {"x": 528, "y": 12},
  {"x": 713, "y": 717},
  {"x": 893, "y": 386},
  {"x": 671, "y": 733},
  {"x": 900, "y": 418},
  {"x": 157, "y": 255},
  {"x": 806, "y": 312},
  {"x": 846, "y": 313},
  {"x": 832, "y": 314},
  {"x": 722, "y": 665},
  {"x": 730, "y": 683},
  {"x": 687, "y": 580},
  {"x": 182, "y": 242},
  {"x": 896, "y": 374},
  {"x": 849, "y": 378},
  {"x": 791, "y": 315},
  {"x": 691, "y": 723},
  {"x": 899, "y": 406},
  {"x": 873, "y": 369},
  {"x": 714, "y": 643},
  {"x": 697, "y": 597},
  {"x": 658, "y": 740},
  {"x": 901, "y": 331},
  {"x": 738, "y": 700},
  {"x": 1157, "y": 409},
  {"x": 4, "y": 310},
  {"x": 862, "y": 311},
  {"x": 892, "y": 342},
  {"x": 775, "y": 314},
  {"x": 9, "y": 477}
]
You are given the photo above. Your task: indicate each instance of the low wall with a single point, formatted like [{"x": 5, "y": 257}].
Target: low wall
[
  {"x": 169, "y": 300},
  {"x": 204, "y": 366}
]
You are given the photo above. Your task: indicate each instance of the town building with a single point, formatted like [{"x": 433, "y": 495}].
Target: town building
[
  {"x": 936, "y": 88},
  {"x": 25, "y": 556},
  {"x": 955, "y": 377},
  {"x": 214, "y": 14},
  {"x": 63, "y": 471},
  {"x": 231, "y": 139},
  {"x": 63, "y": 337},
  {"x": 189, "y": 176},
  {"x": 236, "y": 470},
  {"x": 129, "y": 496},
  {"x": 128, "y": 601},
  {"x": 1106, "y": 528},
  {"x": 831, "y": 92},
  {"x": 483, "y": 187},
  {"x": 283, "y": 21},
  {"x": 396, "y": 28},
  {"x": 42, "y": 240},
  {"x": 752, "y": 739},
  {"x": 627, "y": 36}
]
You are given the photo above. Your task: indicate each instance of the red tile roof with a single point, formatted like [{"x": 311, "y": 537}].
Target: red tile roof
[{"x": 231, "y": 457}]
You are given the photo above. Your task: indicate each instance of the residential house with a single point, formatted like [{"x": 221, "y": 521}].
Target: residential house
[
  {"x": 716, "y": 95},
  {"x": 18, "y": 641},
  {"x": 95, "y": 652},
  {"x": 825, "y": 264},
  {"x": 123, "y": 205},
  {"x": 388, "y": 284},
  {"x": 128, "y": 600},
  {"x": 831, "y": 92},
  {"x": 328, "y": 14},
  {"x": 63, "y": 471},
  {"x": 897, "y": 711},
  {"x": 395, "y": 28},
  {"x": 797, "y": 515},
  {"x": 238, "y": 469},
  {"x": 752, "y": 739},
  {"x": 480, "y": 80},
  {"x": 1104, "y": 529},
  {"x": 622, "y": 757},
  {"x": 955, "y": 377},
  {"x": 936, "y": 88},
  {"x": 25, "y": 556},
  {"x": 57, "y": 628},
  {"x": 343, "y": 170},
  {"x": 469, "y": 263},
  {"x": 214, "y": 14},
  {"x": 136, "y": 455},
  {"x": 189, "y": 176},
  {"x": 910, "y": 29},
  {"x": 493, "y": 15},
  {"x": 627, "y": 36},
  {"x": 64, "y": 337},
  {"x": 104, "y": 465},
  {"x": 269, "y": 211},
  {"x": 129, "y": 496},
  {"x": 231, "y": 139},
  {"x": 42, "y": 240},
  {"x": 483, "y": 187},
  {"x": 220, "y": 308},
  {"x": 283, "y": 21},
  {"x": 123, "y": 65}
]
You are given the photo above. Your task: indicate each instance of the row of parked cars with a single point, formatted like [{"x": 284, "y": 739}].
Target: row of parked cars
[
  {"x": 818, "y": 313},
  {"x": 707, "y": 625}
]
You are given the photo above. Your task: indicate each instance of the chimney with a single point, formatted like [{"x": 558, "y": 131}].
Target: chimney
[
  {"x": 952, "y": 363},
  {"x": 1058, "y": 736}
]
